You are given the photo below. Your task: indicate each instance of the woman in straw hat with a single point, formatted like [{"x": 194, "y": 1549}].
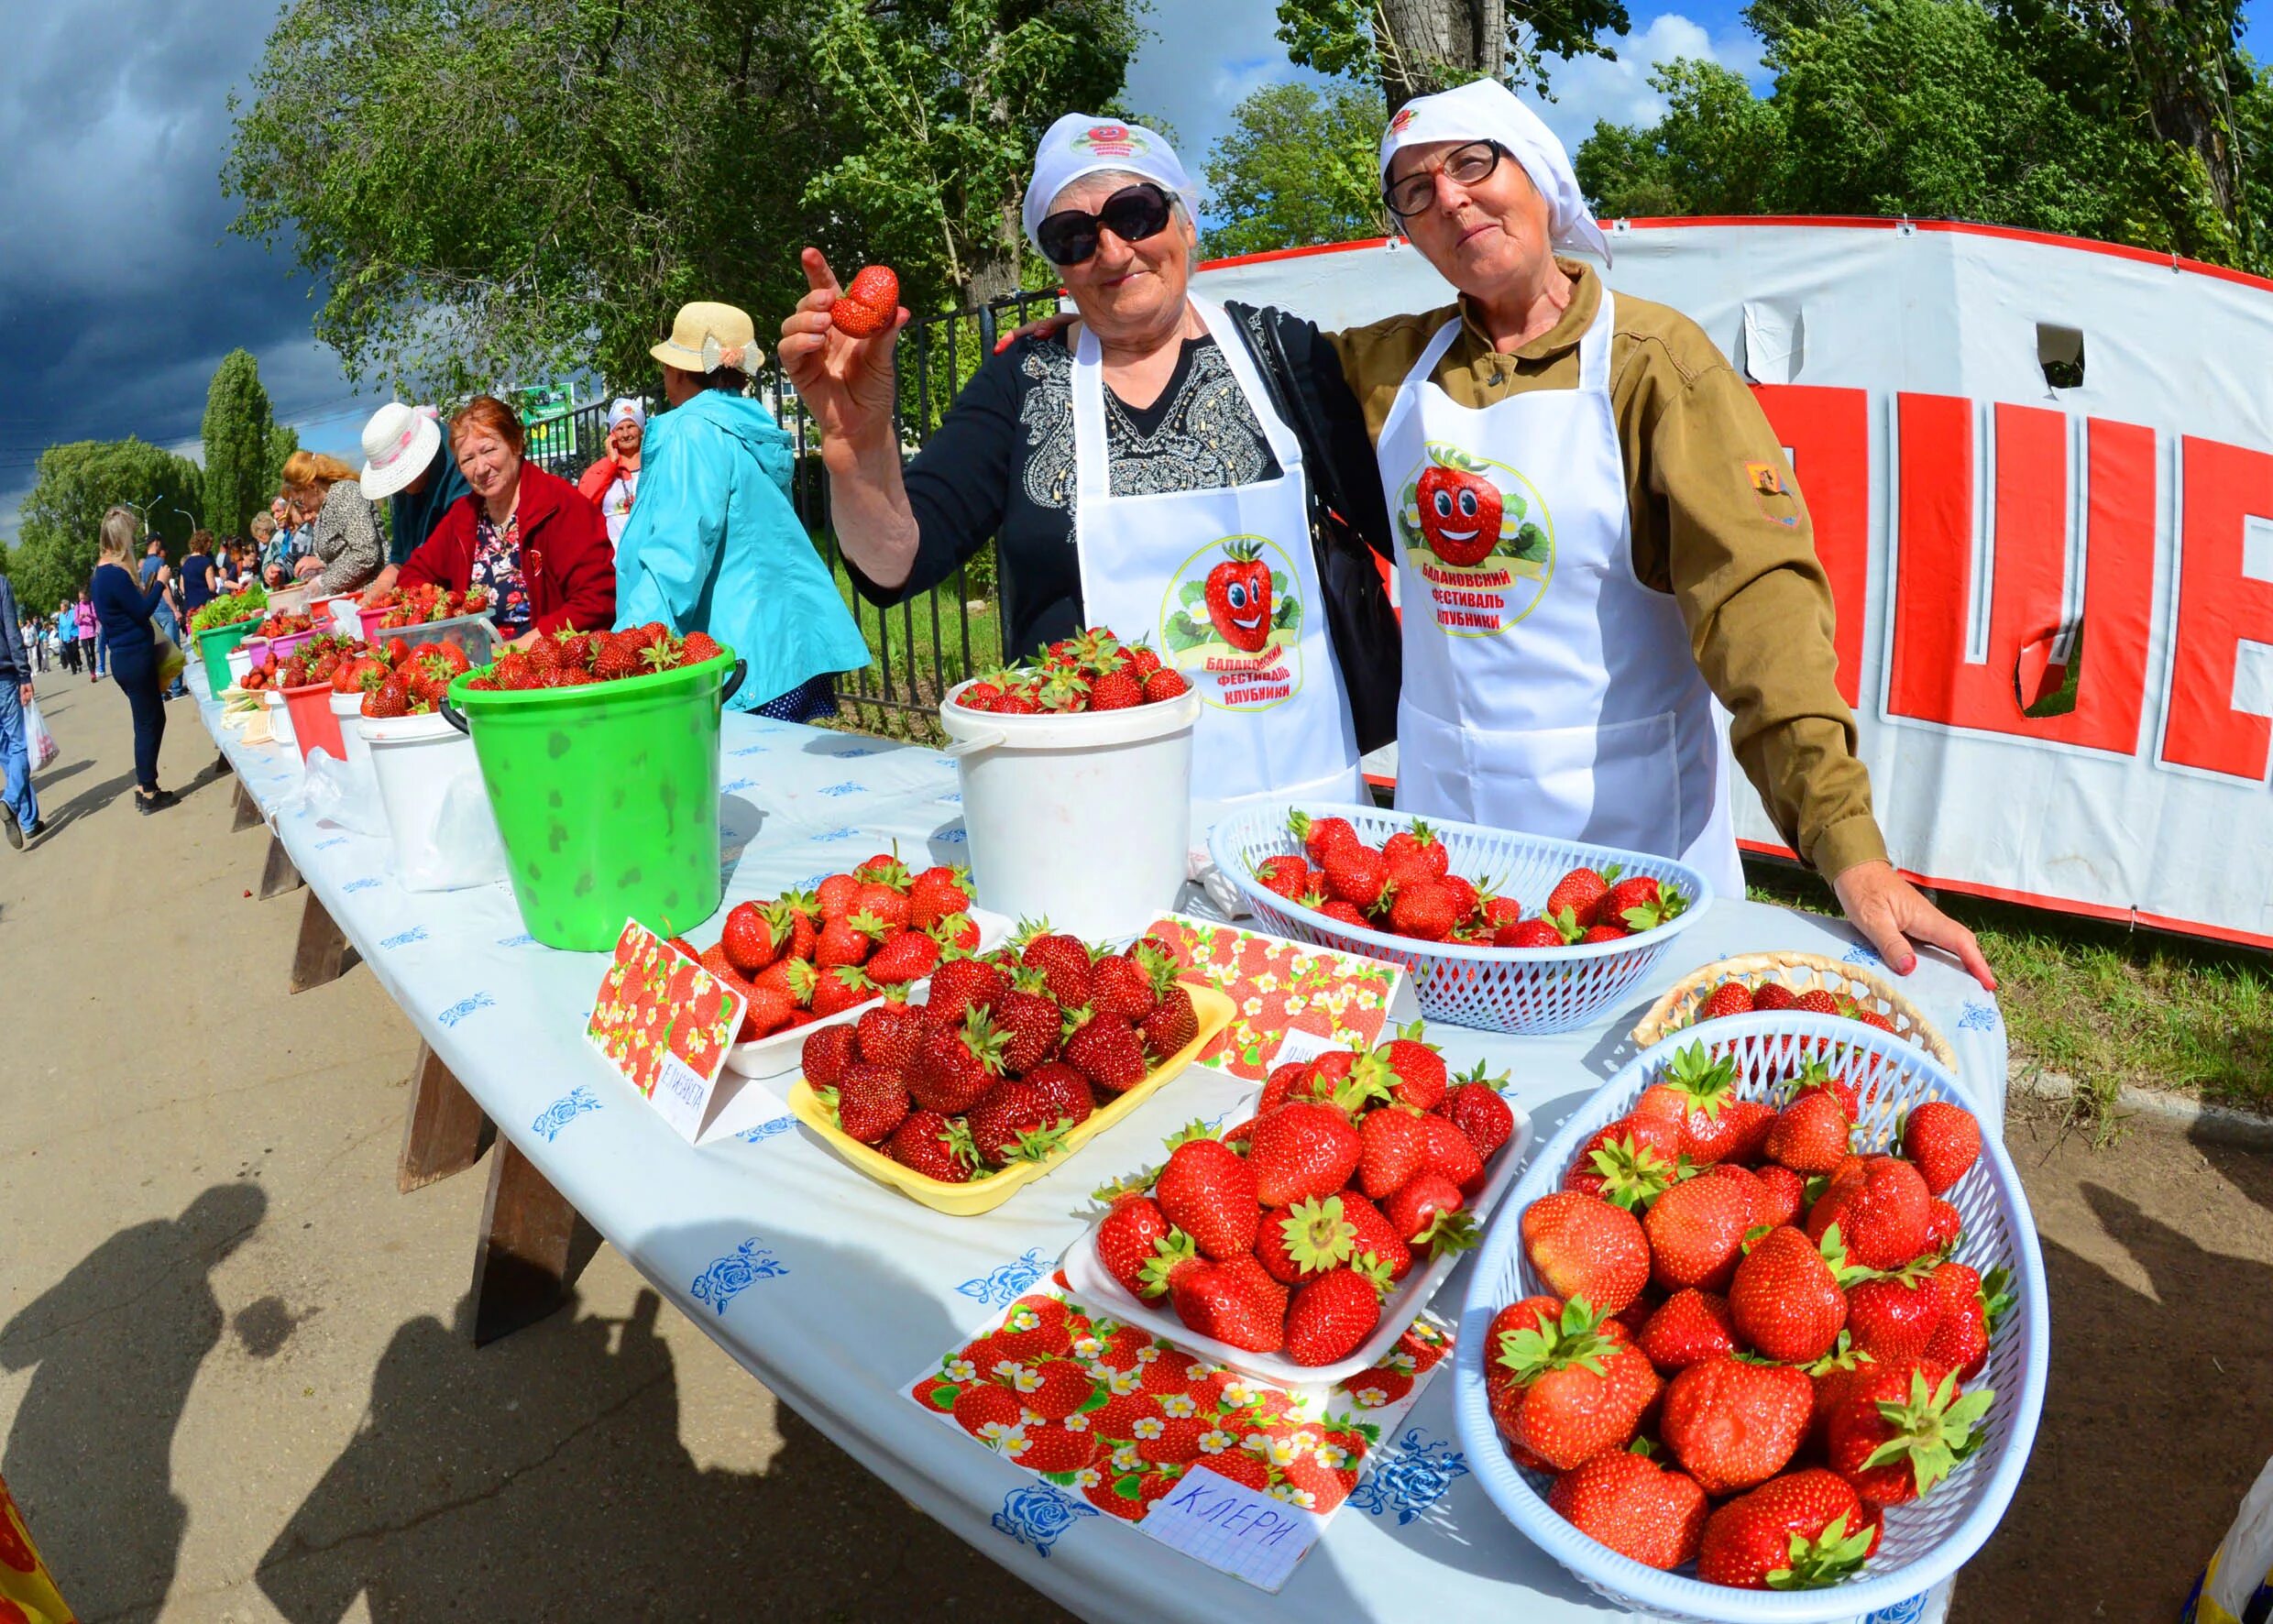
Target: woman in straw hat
[
  {"x": 713, "y": 543},
  {"x": 526, "y": 536}
]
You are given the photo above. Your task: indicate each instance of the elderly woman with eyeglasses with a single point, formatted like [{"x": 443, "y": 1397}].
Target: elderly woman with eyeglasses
[
  {"x": 1600, "y": 537},
  {"x": 1151, "y": 469}
]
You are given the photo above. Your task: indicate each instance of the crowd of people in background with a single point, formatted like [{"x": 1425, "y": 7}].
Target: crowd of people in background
[{"x": 685, "y": 520}]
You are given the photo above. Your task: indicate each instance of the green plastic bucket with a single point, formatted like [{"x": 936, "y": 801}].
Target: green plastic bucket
[
  {"x": 213, "y": 648},
  {"x": 607, "y": 798}
]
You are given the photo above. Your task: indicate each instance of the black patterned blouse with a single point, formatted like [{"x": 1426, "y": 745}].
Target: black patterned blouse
[{"x": 1001, "y": 465}]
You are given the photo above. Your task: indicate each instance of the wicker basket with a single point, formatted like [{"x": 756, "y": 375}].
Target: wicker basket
[{"x": 1802, "y": 973}]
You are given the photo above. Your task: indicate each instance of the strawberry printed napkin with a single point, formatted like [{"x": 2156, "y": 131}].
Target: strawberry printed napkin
[
  {"x": 655, "y": 1003},
  {"x": 1285, "y": 995},
  {"x": 1104, "y": 1410}
]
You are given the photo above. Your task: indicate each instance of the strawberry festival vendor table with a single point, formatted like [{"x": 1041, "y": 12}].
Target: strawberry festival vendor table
[{"x": 839, "y": 1293}]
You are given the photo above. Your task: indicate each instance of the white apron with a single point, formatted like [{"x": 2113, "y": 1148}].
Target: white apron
[
  {"x": 1223, "y": 584},
  {"x": 1547, "y": 690}
]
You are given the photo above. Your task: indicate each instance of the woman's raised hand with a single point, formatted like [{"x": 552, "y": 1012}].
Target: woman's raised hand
[{"x": 845, "y": 382}]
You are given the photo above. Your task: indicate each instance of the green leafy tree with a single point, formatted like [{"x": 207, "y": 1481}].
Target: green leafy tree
[
  {"x": 1411, "y": 48},
  {"x": 1937, "y": 109},
  {"x": 283, "y": 440},
  {"x": 74, "y": 485},
  {"x": 935, "y": 107},
  {"x": 493, "y": 194},
  {"x": 237, "y": 433},
  {"x": 1297, "y": 168}
]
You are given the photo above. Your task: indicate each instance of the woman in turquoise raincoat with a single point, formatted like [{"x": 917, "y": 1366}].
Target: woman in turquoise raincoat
[{"x": 713, "y": 544}]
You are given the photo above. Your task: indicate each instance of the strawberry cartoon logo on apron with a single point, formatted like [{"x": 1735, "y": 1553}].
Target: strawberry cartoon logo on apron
[
  {"x": 1478, "y": 534},
  {"x": 1233, "y": 623}
]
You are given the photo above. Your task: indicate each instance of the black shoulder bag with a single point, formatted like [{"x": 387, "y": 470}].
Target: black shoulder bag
[{"x": 1368, "y": 646}]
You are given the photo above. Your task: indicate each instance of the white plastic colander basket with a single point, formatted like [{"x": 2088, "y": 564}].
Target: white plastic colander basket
[
  {"x": 1532, "y": 990},
  {"x": 1926, "y": 1540}
]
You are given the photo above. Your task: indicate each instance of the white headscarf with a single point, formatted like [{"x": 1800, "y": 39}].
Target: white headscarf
[
  {"x": 1082, "y": 144},
  {"x": 1486, "y": 110},
  {"x": 626, "y": 410}
]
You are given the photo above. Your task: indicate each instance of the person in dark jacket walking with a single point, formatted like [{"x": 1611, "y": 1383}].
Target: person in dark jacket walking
[{"x": 124, "y": 610}]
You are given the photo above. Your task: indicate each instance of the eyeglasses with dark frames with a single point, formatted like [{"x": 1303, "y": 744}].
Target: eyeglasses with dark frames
[{"x": 1465, "y": 165}]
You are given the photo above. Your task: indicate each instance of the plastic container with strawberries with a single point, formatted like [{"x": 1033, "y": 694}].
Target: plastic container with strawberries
[
  {"x": 1468, "y": 982},
  {"x": 1869, "y": 1495}
]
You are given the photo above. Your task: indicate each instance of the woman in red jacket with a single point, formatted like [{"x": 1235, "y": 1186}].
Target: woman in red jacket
[{"x": 536, "y": 544}]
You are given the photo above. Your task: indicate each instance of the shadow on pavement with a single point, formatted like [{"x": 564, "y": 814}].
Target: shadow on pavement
[
  {"x": 113, "y": 1347},
  {"x": 2157, "y": 1418},
  {"x": 544, "y": 1478}
]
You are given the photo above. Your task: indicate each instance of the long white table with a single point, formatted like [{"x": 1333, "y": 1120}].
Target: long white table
[{"x": 837, "y": 1292}]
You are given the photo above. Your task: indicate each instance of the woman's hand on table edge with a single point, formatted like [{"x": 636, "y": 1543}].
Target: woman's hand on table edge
[{"x": 1891, "y": 914}]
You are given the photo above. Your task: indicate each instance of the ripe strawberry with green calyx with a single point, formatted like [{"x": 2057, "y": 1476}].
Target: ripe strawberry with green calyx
[
  {"x": 1239, "y": 594},
  {"x": 1208, "y": 1190},
  {"x": 1375, "y": 1233},
  {"x": 1788, "y": 1299},
  {"x": 1284, "y": 875},
  {"x": 1891, "y": 1317},
  {"x": 1303, "y": 1150},
  {"x": 1972, "y": 1308},
  {"x": 1642, "y": 904},
  {"x": 1305, "y": 1239},
  {"x": 1558, "y": 928},
  {"x": 1881, "y": 1206},
  {"x": 1571, "y": 1386},
  {"x": 1129, "y": 1233},
  {"x": 1355, "y": 873},
  {"x": 1065, "y": 959},
  {"x": 1696, "y": 1228},
  {"x": 1107, "y": 1050},
  {"x": 1475, "y": 1106},
  {"x": 1815, "y": 1076},
  {"x": 1728, "y": 999},
  {"x": 1901, "y": 1434},
  {"x": 1687, "y": 1328},
  {"x": 1392, "y": 1147},
  {"x": 1580, "y": 893},
  {"x": 1330, "y": 1317},
  {"x": 842, "y": 987},
  {"x": 1033, "y": 1025},
  {"x": 1804, "y": 1531},
  {"x": 1320, "y": 835},
  {"x": 1173, "y": 1025},
  {"x": 930, "y": 1143},
  {"x": 1623, "y": 1173},
  {"x": 1017, "y": 1122},
  {"x": 1718, "y": 1125},
  {"x": 957, "y": 1065},
  {"x": 1416, "y": 852},
  {"x": 1422, "y": 1075}
]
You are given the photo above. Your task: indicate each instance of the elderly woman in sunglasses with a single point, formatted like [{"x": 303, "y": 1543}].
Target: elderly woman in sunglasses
[
  {"x": 1135, "y": 471},
  {"x": 1600, "y": 539}
]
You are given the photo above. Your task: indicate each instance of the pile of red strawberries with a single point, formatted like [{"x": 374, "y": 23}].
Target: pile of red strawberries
[
  {"x": 568, "y": 658},
  {"x": 1009, "y": 1052},
  {"x": 1285, "y": 1235},
  {"x": 1736, "y": 998},
  {"x": 854, "y": 937},
  {"x": 1405, "y": 888},
  {"x": 1775, "y": 1317},
  {"x": 1092, "y": 671},
  {"x": 318, "y": 659},
  {"x": 282, "y": 623},
  {"x": 416, "y": 606}
]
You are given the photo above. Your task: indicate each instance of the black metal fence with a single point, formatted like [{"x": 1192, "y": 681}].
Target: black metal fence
[{"x": 919, "y": 648}]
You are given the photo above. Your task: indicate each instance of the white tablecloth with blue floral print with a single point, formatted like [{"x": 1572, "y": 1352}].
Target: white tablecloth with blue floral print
[{"x": 837, "y": 1292}]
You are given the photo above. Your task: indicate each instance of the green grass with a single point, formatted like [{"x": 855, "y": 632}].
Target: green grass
[
  {"x": 2107, "y": 1005},
  {"x": 898, "y": 696}
]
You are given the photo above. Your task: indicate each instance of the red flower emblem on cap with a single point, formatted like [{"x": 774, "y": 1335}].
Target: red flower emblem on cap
[{"x": 1405, "y": 116}]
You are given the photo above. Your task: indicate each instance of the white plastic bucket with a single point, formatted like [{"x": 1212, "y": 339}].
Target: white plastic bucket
[
  {"x": 438, "y": 815},
  {"x": 279, "y": 716},
  {"x": 240, "y": 659},
  {"x": 1084, "y": 818},
  {"x": 348, "y": 709}
]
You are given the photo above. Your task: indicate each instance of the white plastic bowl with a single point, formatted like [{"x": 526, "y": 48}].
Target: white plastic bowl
[
  {"x": 438, "y": 814},
  {"x": 1925, "y": 1542}
]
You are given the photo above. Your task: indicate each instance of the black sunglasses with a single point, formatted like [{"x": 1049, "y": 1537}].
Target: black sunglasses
[{"x": 1132, "y": 214}]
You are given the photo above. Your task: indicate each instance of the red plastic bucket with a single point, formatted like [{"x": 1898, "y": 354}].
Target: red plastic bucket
[{"x": 312, "y": 722}]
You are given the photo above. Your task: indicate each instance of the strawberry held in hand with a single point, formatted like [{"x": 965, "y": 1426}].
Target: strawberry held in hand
[{"x": 870, "y": 305}]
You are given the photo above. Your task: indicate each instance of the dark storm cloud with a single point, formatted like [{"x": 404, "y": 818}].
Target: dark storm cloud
[{"x": 120, "y": 289}]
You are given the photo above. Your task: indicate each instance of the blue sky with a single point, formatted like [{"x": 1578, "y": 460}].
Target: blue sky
[{"x": 120, "y": 289}]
